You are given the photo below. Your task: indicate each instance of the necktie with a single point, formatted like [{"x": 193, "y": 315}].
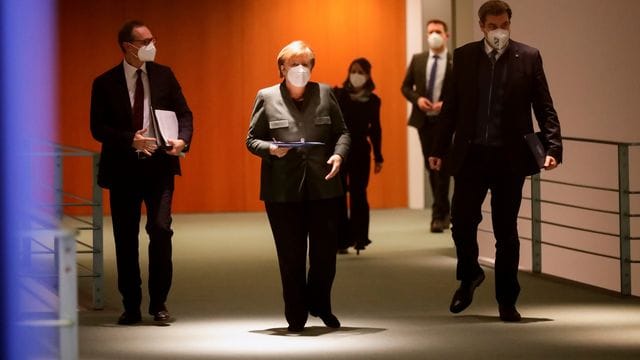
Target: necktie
[
  {"x": 493, "y": 56},
  {"x": 432, "y": 78},
  {"x": 138, "y": 102}
]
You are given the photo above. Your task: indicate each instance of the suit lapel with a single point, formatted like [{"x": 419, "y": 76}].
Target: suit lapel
[
  {"x": 511, "y": 66},
  {"x": 123, "y": 92}
]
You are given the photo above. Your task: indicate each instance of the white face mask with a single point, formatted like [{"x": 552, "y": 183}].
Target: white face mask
[
  {"x": 435, "y": 40},
  {"x": 357, "y": 80},
  {"x": 147, "y": 53},
  {"x": 298, "y": 76},
  {"x": 498, "y": 38}
]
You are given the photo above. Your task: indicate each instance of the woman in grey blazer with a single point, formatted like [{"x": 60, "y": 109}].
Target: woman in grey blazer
[{"x": 298, "y": 131}]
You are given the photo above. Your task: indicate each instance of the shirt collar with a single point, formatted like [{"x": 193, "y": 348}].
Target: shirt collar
[
  {"x": 130, "y": 70},
  {"x": 442, "y": 55},
  {"x": 488, "y": 49}
]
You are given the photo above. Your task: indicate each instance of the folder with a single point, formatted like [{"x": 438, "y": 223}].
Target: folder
[
  {"x": 296, "y": 144},
  {"x": 165, "y": 124},
  {"x": 537, "y": 148}
]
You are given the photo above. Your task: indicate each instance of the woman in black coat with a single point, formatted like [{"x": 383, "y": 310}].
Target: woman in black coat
[{"x": 361, "y": 111}]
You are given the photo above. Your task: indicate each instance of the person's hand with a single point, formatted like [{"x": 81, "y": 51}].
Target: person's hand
[
  {"x": 437, "y": 106},
  {"x": 424, "y": 104},
  {"x": 435, "y": 163},
  {"x": 143, "y": 144},
  {"x": 377, "y": 167},
  {"x": 278, "y": 151},
  {"x": 176, "y": 146},
  {"x": 335, "y": 160},
  {"x": 550, "y": 163}
]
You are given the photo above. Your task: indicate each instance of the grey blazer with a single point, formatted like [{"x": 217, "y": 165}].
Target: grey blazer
[
  {"x": 414, "y": 85},
  {"x": 299, "y": 175}
]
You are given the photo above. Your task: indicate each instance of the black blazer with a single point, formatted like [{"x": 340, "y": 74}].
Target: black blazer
[
  {"x": 414, "y": 85},
  {"x": 299, "y": 175},
  {"x": 112, "y": 125},
  {"x": 525, "y": 88}
]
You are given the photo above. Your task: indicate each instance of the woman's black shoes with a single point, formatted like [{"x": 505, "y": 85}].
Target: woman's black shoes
[
  {"x": 328, "y": 319},
  {"x": 361, "y": 246}
]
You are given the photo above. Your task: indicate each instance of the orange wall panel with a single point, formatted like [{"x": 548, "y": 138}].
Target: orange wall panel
[{"x": 222, "y": 52}]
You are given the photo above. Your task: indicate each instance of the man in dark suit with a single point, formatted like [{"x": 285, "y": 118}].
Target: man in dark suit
[
  {"x": 496, "y": 83},
  {"x": 424, "y": 85},
  {"x": 134, "y": 168}
]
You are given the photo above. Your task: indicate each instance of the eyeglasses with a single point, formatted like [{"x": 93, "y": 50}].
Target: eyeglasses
[{"x": 145, "y": 42}]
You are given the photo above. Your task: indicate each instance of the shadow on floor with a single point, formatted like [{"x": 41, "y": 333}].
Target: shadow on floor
[{"x": 318, "y": 331}]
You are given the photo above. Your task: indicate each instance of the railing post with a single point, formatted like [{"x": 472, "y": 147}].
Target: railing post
[
  {"x": 98, "y": 267},
  {"x": 536, "y": 225},
  {"x": 625, "y": 223},
  {"x": 68, "y": 294},
  {"x": 57, "y": 185}
]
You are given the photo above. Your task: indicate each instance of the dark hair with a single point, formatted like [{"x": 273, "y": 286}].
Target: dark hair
[
  {"x": 366, "y": 66},
  {"x": 126, "y": 32},
  {"x": 438, "y": 21},
  {"x": 495, "y": 8}
]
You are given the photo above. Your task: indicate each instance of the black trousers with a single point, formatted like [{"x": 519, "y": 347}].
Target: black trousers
[
  {"x": 354, "y": 228},
  {"x": 126, "y": 202},
  {"x": 439, "y": 180},
  {"x": 292, "y": 224},
  {"x": 483, "y": 170}
]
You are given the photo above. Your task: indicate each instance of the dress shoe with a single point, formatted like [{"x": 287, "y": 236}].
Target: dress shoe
[
  {"x": 437, "y": 226},
  {"x": 295, "y": 328},
  {"x": 328, "y": 319},
  {"x": 509, "y": 313},
  {"x": 160, "y": 313},
  {"x": 463, "y": 297},
  {"x": 129, "y": 318}
]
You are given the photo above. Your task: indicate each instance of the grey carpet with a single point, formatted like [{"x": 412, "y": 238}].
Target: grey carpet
[{"x": 392, "y": 300}]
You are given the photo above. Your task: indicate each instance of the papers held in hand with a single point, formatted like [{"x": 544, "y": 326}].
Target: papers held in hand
[
  {"x": 296, "y": 144},
  {"x": 537, "y": 148},
  {"x": 165, "y": 124}
]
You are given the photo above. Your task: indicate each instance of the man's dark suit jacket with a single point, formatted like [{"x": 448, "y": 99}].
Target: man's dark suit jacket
[
  {"x": 525, "y": 88},
  {"x": 112, "y": 125},
  {"x": 299, "y": 175},
  {"x": 414, "y": 85}
]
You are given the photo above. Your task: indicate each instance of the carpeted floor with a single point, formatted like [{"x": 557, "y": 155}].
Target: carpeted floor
[{"x": 392, "y": 301}]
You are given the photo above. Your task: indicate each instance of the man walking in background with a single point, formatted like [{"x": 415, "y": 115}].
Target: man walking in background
[{"x": 424, "y": 85}]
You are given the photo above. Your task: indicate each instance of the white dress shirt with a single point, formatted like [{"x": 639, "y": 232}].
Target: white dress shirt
[
  {"x": 440, "y": 72},
  {"x": 130, "y": 75}
]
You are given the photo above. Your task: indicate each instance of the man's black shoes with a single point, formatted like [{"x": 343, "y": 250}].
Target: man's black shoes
[
  {"x": 463, "y": 297},
  {"x": 160, "y": 313},
  {"x": 509, "y": 313},
  {"x": 129, "y": 318}
]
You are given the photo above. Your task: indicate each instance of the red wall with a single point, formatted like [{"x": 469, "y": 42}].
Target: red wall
[{"x": 222, "y": 52}]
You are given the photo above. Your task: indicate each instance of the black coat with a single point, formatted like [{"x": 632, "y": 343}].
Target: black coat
[
  {"x": 112, "y": 125},
  {"x": 525, "y": 88}
]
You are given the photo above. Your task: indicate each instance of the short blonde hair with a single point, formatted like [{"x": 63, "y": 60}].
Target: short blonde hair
[{"x": 295, "y": 48}]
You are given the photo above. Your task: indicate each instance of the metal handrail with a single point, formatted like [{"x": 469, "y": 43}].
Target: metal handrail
[
  {"x": 95, "y": 225},
  {"x": 624, "y": 214}
]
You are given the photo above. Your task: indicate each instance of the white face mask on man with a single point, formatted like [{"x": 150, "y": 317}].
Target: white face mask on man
[
  {"x": 298, "y": 76},
  {"x": 435, "y": 40},
  {"x": 498, "y": 38},
  {"x": 147, "y": 52}
]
